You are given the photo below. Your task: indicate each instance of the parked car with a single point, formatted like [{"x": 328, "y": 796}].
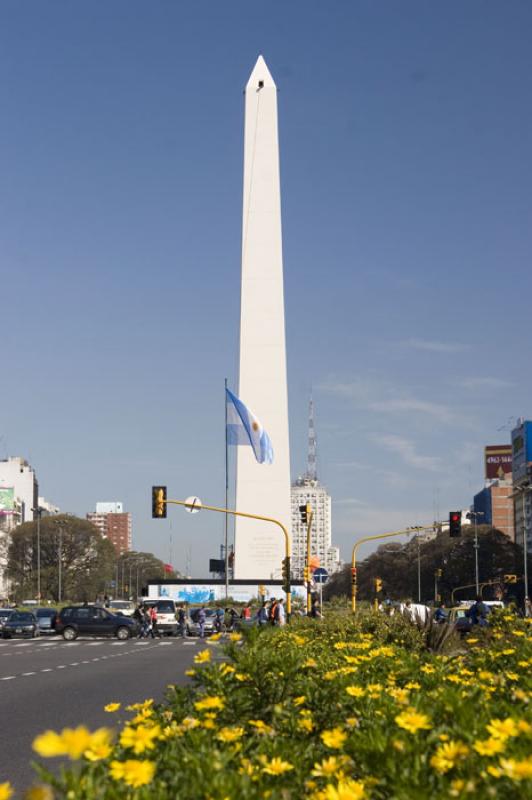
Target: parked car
[
  {"x": 166, "y": 615},
  {"x": 46, "y": 619},
  {"x": 125, "y": 607},
  {"x": 21, "y": 623},
  {"x": 193, "y": 624},
  {"x": 5, "y": 613},
  {"x": 73, "y": 620}
]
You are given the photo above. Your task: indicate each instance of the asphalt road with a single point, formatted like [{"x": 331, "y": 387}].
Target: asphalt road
[{"x": 48, "y": 683}]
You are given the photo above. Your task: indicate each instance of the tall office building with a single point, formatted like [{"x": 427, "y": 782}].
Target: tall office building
[
  {"x": 522, "y": 482},
  {"x": 114, "y": 524},
  {"x": 307, "y": 490}
]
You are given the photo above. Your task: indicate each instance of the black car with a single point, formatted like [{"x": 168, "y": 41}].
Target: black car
[
  {"x": 21, "y": 623},
  {"x": 73, "y": 620},
  {"x": 5, "y": 613}
]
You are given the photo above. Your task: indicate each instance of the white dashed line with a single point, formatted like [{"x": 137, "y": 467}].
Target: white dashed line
[
  {"x": 61, "y": 666},
  {"x": 8, "y": 678},
  {"x": 27, "y": 673},
  {"x": 48, "y": 669},
  {"x": 74, "y": 664}
]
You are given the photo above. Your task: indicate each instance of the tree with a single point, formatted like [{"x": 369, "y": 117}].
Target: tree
[
  {"x": 397, "y": 566},
  {"x": 76, "y": 562},
  {"x": 134, "y": 569}
]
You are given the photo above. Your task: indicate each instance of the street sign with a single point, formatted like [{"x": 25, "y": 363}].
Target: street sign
[
  {"x": 320, "y": 575},
  {"x": 192, "y": 505}
]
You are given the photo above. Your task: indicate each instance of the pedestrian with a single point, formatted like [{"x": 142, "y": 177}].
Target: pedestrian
[
  {"x": 246, "y": 612},
  {"x": 233, "y": 616},
  {"x": 153, "y": 620},
  {"x": 262, "y": 615},
  {"x": 315, "y": 612},
  {"x": 528, "y": 607},
  {"x": 478, "y": 612},
  {"x": 280, "y": 617},
  {"x": 182, "y": 621},
  {"x": 138, "y": 616},
  {"x": 440, "y": 615},
  {"x": 272, "y": 611},
  {"x": 201, "y": 622},
  {"x": 219, "y": 616}
]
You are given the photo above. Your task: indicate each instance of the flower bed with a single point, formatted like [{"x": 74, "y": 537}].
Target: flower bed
[{"x": 335, "y": 710}]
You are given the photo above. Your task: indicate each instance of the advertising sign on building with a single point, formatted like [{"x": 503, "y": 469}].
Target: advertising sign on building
[
  {"x": 7, "y": 500},
  {"x": 498, "y": 461},
  {"x": 521, "y": 450}
]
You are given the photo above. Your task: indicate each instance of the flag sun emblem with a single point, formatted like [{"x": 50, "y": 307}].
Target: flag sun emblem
[{"x": 255, "y": 426}]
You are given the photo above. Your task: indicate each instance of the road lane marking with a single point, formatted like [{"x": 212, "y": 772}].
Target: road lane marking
[
  {"x": 24, "y": 644},
  {"x": 48, "y": 669},
  {"x": 61, "y": 666},
  {"x": 28, "y": 673},
  {"x": 8, "y": 678},
  {"x": 75, "y": 664}
]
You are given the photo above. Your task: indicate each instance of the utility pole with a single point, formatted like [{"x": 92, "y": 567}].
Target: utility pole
[
  {"x": 60, "y": 525},
  {"x": 38, "y": 511},
  {"x": 474, "y": 515}
]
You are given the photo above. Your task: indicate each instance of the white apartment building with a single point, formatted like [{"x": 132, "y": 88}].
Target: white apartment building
[
  {"x": 310, "y": 490},
  {"x": 17, "y": 474}
]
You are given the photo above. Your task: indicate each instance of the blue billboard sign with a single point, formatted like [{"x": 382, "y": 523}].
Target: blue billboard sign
[{"x": 521, "y": 450}]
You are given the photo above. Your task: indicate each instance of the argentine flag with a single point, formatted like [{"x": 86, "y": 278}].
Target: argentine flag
[{"x": 243, "y": 427}]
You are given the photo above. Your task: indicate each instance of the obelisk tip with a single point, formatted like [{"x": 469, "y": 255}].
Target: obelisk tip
[{"x": 260, "y": 77}]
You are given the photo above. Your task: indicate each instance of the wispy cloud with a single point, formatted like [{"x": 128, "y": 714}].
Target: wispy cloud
[
  {"x": 414, "y": 406},
  {"x": 485, "y": 383},
  {"x": 435, "y": 347},
  {"x": 407, "y": 451},
  {"x": 349, "y": 501}
]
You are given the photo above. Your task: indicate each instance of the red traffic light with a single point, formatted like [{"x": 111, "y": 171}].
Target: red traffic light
[{"x": 455, "y": 517}]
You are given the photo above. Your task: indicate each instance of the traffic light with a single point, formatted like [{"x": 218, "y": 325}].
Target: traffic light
[
  {"x": 286, "y": 574},
  {"x": 510, "y": 578},
  {"x": 306, "y": 574},
  {"x": 378, "y": 585},
  {"x": 455, "y": 523},
  {"x": 438, "y": 573},
  {"x": 353, "y": 576},
  {"x": 305, "y": 513},
  {"x": 158, "y": 502}
]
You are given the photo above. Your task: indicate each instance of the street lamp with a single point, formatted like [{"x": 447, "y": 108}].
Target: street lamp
[
  {"x": 474, "y": 515},
  {"x": 38, "y": 511},
  {"x": 60, "y": 524}
]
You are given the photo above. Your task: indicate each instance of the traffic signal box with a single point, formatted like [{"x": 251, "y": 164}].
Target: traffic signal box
[
  {"x": 510, "y": 578},
  {"x": 455, "y": 523},
  {"x": 304, "y": 512},
  {"x": 353, "y": 576},
  {"x": 286, "y": 574},
  {"x": 158, "y": 502},
  {"x": 306, "y": 574},
  {"x": 377, "y": 582}
]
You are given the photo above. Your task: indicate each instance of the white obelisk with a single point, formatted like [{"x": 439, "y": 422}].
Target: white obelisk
[{"x": 262, "y": 488}]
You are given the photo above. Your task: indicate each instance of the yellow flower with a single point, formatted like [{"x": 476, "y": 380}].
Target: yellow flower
[
  {"x": 133, "y": 772},
  {"x": 142, "y": 716},
  {"x": 227, "y": 669},
  {"x": 400, "y": 695},
  {"x": 412, "y": 721},
  {"x": 277, "y": 767},
  {"x": 298, "y": 701},
  {"x": 71, "y": 742},
  {"x": 202, "y": 657},
  {"x": 502, "y": 728},
  {"x": 40, "y": 792},
  {"x": 428, "y": 669},
  {"x": 516, "y": 770},
  {"x": 334, "y": 738},
  {"x": 413, "y": 685},
  {"x": 6, "y": 790},
  {"x": 524, "y": 726},
  {"x": 241, "y": 676},
  {"x": 140, "y": 706},
  {"x": 305, "y": 724},
  {"x": 235, "y": 637},
  {"x": 490, "y": 747},
  {"x": 110, "y": 707},
  {"x": 448, "y": 755},
  {"x": 310, "y": 663},
  {"x": 189, "y": 723},
  {"x": 329, "y": 766},
  {"x": 260, "y": 726},
  {"x": 141, "y": 738},
  {"x": 190, "y": 673},
  {"x": 355, "y": 691},
  {"x": 230, "y": 734},
  {"x": 208, "y": 703},
  {"x": 98, "y": 752},
  {"x": 215, "y": 637},
  {"x": 345, "y": 790}
]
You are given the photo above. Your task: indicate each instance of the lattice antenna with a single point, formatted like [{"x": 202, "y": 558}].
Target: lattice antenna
[{"x": 312, "y": 470}]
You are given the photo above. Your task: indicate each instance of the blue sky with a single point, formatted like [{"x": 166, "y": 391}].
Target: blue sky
[{"x": 405, "y": 132}]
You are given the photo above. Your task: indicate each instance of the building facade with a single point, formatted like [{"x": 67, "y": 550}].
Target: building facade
[
  {"x": 522, "y": 482},
  {"x": 18, "y": 475},
  {"x": 495, "y": 506},
  {"x": 114, "y": 524},
  {"x": 307, "y": 490}
]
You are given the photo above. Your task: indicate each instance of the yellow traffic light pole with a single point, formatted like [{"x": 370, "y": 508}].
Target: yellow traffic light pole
[
  {"x": 357, "y": 544},
  {"x": 310, "y": 514},
  {"x": 249, "y": 516}
]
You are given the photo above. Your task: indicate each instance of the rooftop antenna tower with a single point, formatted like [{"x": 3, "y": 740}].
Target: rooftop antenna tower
[{"x": 312, "y": 469}]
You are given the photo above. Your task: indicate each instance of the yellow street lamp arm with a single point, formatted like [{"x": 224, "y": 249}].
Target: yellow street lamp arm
[{"x": 249, "y": 516}]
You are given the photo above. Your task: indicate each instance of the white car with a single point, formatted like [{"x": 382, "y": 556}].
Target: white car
[{"x": 124, "y": 607}]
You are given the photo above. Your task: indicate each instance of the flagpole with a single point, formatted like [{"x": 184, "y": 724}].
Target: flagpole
[{"x": 226, "y": 498}]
